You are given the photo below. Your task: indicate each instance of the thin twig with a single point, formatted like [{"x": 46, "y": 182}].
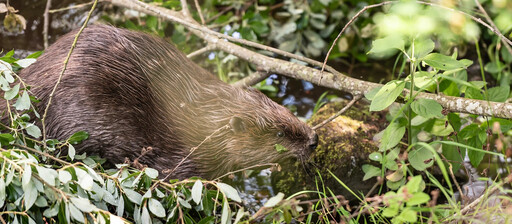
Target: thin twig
[
  {"x": 43, "y": 154},
  {"x": 348, "y": 24},
  {"x": 46, "y": 22},
  {"x": 193, "y": 149},
  {"x": 491, "y": 191},
  {"x": 63, "y": 70},
  {"x": 489, "y": 20},
  {"x": 198, "y": 7},
  {"x": 356, "y": 98},
  {"x": 251, "y": 79},
  {"x": 208, "y": 47},
  {"x": 478, "y": 20},
  {"x": 71, "y": 7},
  {"x": 184, "y": 8},
  {"x": 227, "y": 9}
]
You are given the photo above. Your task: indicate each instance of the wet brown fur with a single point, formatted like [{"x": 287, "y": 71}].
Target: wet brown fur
[{"x": 130, "y": 90}]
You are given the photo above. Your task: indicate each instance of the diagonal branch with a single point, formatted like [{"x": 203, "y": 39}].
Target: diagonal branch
[{"x": 331, "y": 79}]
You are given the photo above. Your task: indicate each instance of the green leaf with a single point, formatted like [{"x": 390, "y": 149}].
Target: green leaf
[
  {"x": 371, "y": 94},
  {"x": 273, "y": 201},
  {"x": 41, "y": 202},
  {"x": 422, "y": 47},
  {"x": 439, "y": 127},
  {"x": 35, "y": 54},
  {"x": 6, "y": 139},
  {"x": 392, "y": 136},
  {"x": 33, "y": 130},
  {"x": 443, "y": 62},
  {"x": 454, "y": 120},
  {"x": 27, "y": 175},
  {"x": 421, "y": 158},
  {"x": 423, "y": 79},
  {"x": 156, "y": 208},
  {"x": 370, "y": 171},
  {"x": 71, "y": 152},
  {"x": 25, "y": 62},
  {"x": 23, "y": 102},
  {"x": 75, "y": 213},
  {"x": 52, "y": 211},
  {"x": 427, "y": 108},
  {"x": 229, "y": 191},
  {"x": 225, "y": 213},
  {"x": 387, "y": 44},
  {"x": 415, "y": 184},
  {"x": 30, "y": 194},
  {"x": 470, "y": 131},
  {"x": 239, "y": 215},
  {"x": 408, "y": 215},
  {"x": 418, "y": 198},
  {"x": 455, "y": 158},
  {"x": 2, "y": 191},
  {"x": 280, "y": 148},
  {"x": 499, "y": 94},
  {"x": 197, "y": 191},
  {"x": 48, "y": 175},
  {"x": 473, "y": 93},
  {"x": 83, "y": 204},
  {"x": 395, "y": 176},
  {"x": 10, "y": 94},
  {"x": 78, "y": 137},
  {"x": 84, "y": 179},
  {"x": 387, "y": 95},
  {"x": 120, "y": 206},
  {"x": 376, "y": 156},
  {"x": 390, "y": 211},
  {"x": 64, "y": 176},
  {"x": 145, "y": 217},
  {"x": 133, "y": 196},
  {"x": 150, "y": 172},
  {"x": 475, "y": 157}
]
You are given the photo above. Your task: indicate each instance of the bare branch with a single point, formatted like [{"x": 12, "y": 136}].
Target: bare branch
[
  {"x": 200, "y": 51},
  {"x": 489, "y": 20},
  {"x": 335, "y": 80},
  {"x": 198, "y": 7},
  {"x": 251, "y": 79},
  {"x": 356, "y": 98},
  {"x": 45, "y": 23}
]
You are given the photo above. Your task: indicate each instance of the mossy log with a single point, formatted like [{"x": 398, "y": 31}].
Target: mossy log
[{"x": 344, "y": 146}]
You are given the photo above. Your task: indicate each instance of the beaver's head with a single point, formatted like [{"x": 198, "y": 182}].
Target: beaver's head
[{"x": 260, "y": 131}]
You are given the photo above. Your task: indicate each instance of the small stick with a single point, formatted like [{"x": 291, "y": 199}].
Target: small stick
[
  {"x": 70, "y": 7},
  {"x": 199, "y": 11},
  {"x": 208, "y": 47},
  {"x": 63, "y": 70},
  {"x": 356, "y": 98},
  {"x": 251, "y": 79},
  {"x": 489, "y": 20},
  {"x": 45, "y": 23}
]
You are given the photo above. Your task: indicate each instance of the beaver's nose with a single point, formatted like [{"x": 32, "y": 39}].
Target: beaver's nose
[{"x": 313, "y": 142}]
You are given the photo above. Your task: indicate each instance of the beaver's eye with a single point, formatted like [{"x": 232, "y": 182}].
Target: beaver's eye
[{"x": 280, "y": 134}]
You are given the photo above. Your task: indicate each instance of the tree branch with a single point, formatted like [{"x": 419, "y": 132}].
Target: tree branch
[{"x": 331, "y": 79}]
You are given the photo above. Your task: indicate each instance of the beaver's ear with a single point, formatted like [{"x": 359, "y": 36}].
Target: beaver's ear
[{"x": 237, "y": 124}]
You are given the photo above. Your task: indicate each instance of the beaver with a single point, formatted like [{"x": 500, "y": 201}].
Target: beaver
[{"x": 130, "y": 90}]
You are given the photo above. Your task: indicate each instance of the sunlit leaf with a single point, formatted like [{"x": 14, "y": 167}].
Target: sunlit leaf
[{"x": 229, "y": 191}]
